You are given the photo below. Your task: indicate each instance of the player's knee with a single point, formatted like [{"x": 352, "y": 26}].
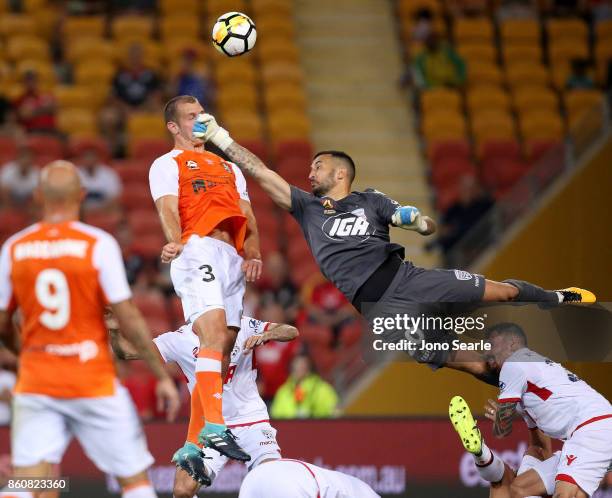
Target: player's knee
[
  {"x": 517, "y": 490},
  {"x": 184, "y": 489}
]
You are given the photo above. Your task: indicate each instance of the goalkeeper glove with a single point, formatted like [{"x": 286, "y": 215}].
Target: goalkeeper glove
[
  {"x": 409, "y": 218},
  {"x": 207, "y": 129}
]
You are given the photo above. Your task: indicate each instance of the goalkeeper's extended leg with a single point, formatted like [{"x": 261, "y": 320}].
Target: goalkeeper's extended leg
[
  {"x": 489, "y": 465},
  {"x": 526, "y": 292}
]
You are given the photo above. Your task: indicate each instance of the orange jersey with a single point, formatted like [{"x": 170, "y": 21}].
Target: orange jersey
[
  {"x": 61, "y": 276},
  {"x": 208, "y": 189}
]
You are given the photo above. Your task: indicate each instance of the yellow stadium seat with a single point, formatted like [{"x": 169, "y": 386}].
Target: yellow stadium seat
[
  {"x": 560, "y": 71},
  {"x": 73, "y": 96},
  {"x": 98, "y": 93},
  {"x": 477, "y": 53},
  {"x": 275, "y": 27},
  {"x": 174, "y": 7},
  {"x": 484, "y": 98},
  {"x": 603, "y": 30},
  {"x": 278, "y": 52},
  {"x": 179, "y": 26},
  {"x": 444, "y": 125},
  {"x": 572, "y": 29},
  {"x": 244, "y": 125},
  {"x": 80, "y": 27},
  {"x": 130, "y": 26},
  {"x": 288, "y": 125},
  {"x": 94, "y": 72},
  {"x": 567, "y": 50},
  {"x": 528, "y": 98},
  {"x": 146, "y": 125},
  {"x": 236, "y": 96},
  {"x": 479, "y": 30},
  {"x": 77, "y": 122},
  {"x": 484, "y": 74},
  {"x": 440, "y": 99},
  {"x": 522, "y": 54},
  {"x": 281, "y": 8},
  {"x": 407, "y": 8},
  {"x": 541, "y": 125},
  {"x": 521, "y": 74},
  {"x": 520, "y": 32},
  {"x": 44, "y": 70},
  {"x": 174, "y": 68},
  {"x": 281, "y": 71},
  {"x": 215, "y": 8},
  {"x": 603, "y": 51},
  {"x": 244, "y": 73},
  {"x": 33, "y": 5},
  {"x": 27, "y": 47},
  {"x": 17, "y": 25},
  {"x": 285, "y": 96},
  {"x": 490, "y": 125},
  {"x": 578, "y": 102},
  {"x": 90, "y": 49}
]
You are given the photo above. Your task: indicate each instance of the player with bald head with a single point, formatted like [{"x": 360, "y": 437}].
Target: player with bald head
[{"x": 61, "y": 274}]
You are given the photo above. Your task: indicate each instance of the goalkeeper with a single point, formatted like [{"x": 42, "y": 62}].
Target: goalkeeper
[{"x": 348, "y": 234}]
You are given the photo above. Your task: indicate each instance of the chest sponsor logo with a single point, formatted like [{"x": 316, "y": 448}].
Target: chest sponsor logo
[
  {"x": 347, "y": 225},
  {"x": 192, "y": 165}
]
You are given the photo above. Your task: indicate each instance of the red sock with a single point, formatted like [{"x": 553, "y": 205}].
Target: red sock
[{"x": 210, "y": 385}]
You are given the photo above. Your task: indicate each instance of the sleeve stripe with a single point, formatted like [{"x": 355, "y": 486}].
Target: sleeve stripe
[
  {"x": 267, "y": 326},
  {"x": 508, "y": 400}
]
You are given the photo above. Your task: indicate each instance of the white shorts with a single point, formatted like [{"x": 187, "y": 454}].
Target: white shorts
[
  {"x": 208, "y": 275},
  {"x": 258, "y": 440},
  {"x": 586, "y": 456},
  {"x": 108, "y": 429},
  {"x": 546, "y": 469}
]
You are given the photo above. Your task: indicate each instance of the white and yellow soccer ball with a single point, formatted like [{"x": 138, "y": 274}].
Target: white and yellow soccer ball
[{"x": 234, "y": 34}]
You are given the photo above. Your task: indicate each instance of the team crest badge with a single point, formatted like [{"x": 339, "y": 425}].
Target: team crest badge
[
  {"x": 328, "y": 206},
  {"x": 192, "y": 165},
  {"x": 267, "y": 434}
]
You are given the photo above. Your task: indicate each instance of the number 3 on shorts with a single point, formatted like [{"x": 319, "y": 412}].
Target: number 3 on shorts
[{"x": 208, "y": 274}]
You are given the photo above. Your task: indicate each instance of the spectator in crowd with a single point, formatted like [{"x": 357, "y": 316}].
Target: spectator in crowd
[
  {"x": 34, "y": 108},
  {"x": 468, "y": 8},
  {"x": 134, "y": 263},
  {"x": 192, "y": 80},
  {"x": 305, "y": 394},
  {"x": 580, "y": 79},
  {"x": 276, "y": 286},
  {"x": 471, "y": 205},
  {"x": 325, "y": 305},
  {"x": 7, "y": 383},
  {"x": 101, "y": 182},
  {"x": 517, "y": 9},
  {"x": 18, "y": 178},
  {"x": 602, "y": 10},
  {"x": 274, "y": 357},
  {"x": 438, "y": 65},
  {"x": 6, "y": 116},
  {"x": 423, "y": 25},
  {"x": 136, "y": 85}
]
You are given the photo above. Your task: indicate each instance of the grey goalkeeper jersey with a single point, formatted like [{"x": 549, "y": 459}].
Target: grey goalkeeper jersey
[{"x": 348, "y": 238}]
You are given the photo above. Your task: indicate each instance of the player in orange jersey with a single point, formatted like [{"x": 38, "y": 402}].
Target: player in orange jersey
[
  {"x": 207, "y": 218},
  {"x": 61, "y": 274}
]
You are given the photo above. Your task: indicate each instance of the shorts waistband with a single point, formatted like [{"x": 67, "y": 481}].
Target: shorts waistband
[
  {"x": 210, "y": 241},
  {"x": 377, "y": 284}
]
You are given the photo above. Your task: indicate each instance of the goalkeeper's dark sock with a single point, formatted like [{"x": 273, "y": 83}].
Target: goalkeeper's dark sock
[
  {"x": 530, "y": 293},
  {"x": 489, "y": 465}
]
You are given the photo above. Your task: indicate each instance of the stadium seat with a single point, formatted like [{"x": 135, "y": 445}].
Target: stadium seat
[
  {"x": 484, "y": 74},
  {"x": 27, "y": 47},
  {"x": 90, "y": 49},
  {"x": 407, "y": 8},
  {"x": 440, "y": 98},
  {"x": 522, "y": 54},
  {"x": 132, "y": 171},
  {"x": 579, "y": 102},
  {"x": 96, "y": 72},
  {"x": 293, "y": 168},
  {"x": 315, "y": 334},
  {"x": 77, "y": 122},
  {"x": 444, "y": 125},
  {"x": 151, "y": 51},
  {"x": 520, "y": 32},
  {"x": 477, "y": 53},
  {"x": 43, "y": 69},
  {"x": 501, "y": 174},
  {"x": 275, "y": 26},
  {"x": 244, "y": 125},
  {"x": 487, "y": 98},
  {"x": 151, "y": 303},
  {"x": 12, "y": 220},
  {"x": 278, "y": 52},
  {"x": 129, "y": 26},
  {"x": 490, "y": 125},
  {"x": 280, "y": 8},
  {"x": 149, "y": 149},
  {"x": 535, "y": 97},
  {"x": 146, "y": 125},
  {"x": 351, "y": 333},
  {"x": 603, "y": 30},
  {"x": 243, "y": 74},
  {"x": 502, "y": 149},
  {"x": 446, "y": 197},
  {"x": 526, "y": 74},
  {"x": 235, "y": 96},
  {"x": 293, "y": 148},
  {"x": 281, "y": 72},
  {"x": 566, "y": 29},
  {"x": 325, "y": 359},
  {"x": 17, "y": 25},
  {"x": 171, "y": 7},
  {"x": 78, "y": 28},
  {"x": 287, "y": 125},
  {"x": 540, "y": 125},
  {"x": 278, "y": 97},
  {"x": 478, "y": 30},
  {"x": 107, "y": 221},
  {"x": 144, "y": 221},
  {"x": 78, "y": 145},
  {"x": 536, "y": 149},
  {"x": 135, "y": 196},
  {"x": 72, "y": 96},
  {"x": 8, "y": 149},
  {"x": 185, "y": 25},
  {"x": 44, "y": 146},
  {"x": 257, "y": 147},
  {"x": 449, "y": 148},
  {"x": 446, "y": 170}
]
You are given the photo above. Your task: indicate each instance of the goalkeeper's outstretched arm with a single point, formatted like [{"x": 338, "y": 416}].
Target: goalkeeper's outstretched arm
[
  {"x": 275, "y": 186},
  {"x": 410, "y": 218}
]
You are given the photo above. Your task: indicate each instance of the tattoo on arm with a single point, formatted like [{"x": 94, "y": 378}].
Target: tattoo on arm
[
  {"x": 503, "y": 420},
  {"x": 245, "y": 159}
]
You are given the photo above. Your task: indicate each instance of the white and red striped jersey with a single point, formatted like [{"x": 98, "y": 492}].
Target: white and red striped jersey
[
  {"x": 553, "y": 398},
  {"x": 242, "y": 404}
]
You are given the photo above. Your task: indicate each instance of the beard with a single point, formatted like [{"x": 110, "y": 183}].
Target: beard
[{"x": 322, "y": 188}]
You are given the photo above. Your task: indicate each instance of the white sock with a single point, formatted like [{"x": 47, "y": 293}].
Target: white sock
[
  {"x": 142, "y": 490},
  {"x": 489, "y": 465},
  {"x": 16, "y": 494}
]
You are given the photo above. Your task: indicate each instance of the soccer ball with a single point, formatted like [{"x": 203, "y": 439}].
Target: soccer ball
[{"x": 234, "y": 34}]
